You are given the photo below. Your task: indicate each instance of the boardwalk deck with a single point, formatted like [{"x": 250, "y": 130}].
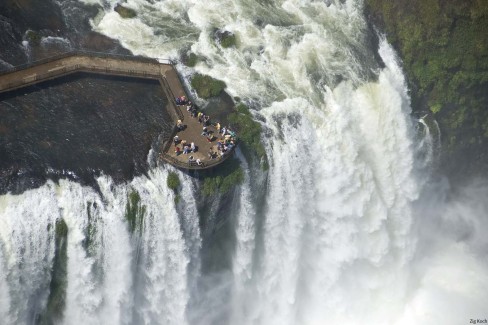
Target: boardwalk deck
[{"x": 138, "y": 67}]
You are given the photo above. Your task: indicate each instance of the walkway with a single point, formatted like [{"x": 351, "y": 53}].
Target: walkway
[{"x": 128, "y": 66}]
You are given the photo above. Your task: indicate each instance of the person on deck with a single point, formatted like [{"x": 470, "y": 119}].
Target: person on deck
[{"x": 179, "y": 125}]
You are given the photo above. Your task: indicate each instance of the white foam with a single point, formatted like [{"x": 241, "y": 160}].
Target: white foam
[{"x": 344, "y": 236}]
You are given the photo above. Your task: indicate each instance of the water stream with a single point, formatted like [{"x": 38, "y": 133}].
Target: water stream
[{"x": 351, "y": 228}]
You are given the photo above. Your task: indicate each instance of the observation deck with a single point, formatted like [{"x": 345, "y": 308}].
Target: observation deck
[{"x": 125, "y": 66}]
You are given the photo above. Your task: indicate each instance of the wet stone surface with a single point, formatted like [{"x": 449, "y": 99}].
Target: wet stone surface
[{"x": 79, "y": 127}]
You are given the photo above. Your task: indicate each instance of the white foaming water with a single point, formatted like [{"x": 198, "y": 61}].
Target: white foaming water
[
  {"x": 246, "y": 235},
  {"x": 343, "y": 236},
  {"x": 56, "y": 40},
  {"x": 27, "y": 245},
  {"x": 113, "y": 276},
  {"x": 337, "y": 233},
  {"x": 191, "y": 228},
  {"x": 99, "y": 280},
  {"x": 163, "y": 257}
]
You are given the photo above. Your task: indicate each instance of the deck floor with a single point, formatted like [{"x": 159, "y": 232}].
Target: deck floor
[
  {"x": 193, "y": 129},
  {"x": 193, "y": 133}
]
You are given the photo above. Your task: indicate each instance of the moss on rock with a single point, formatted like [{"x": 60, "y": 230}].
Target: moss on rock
[
  {"x": 228, "y": 40},
  {"x": 91, "y": 230},
  {"x": 190, "y": 60},
  {"x": 173, "y": 181},
  {"x": 57, "y": 288},
  {"x": 206, "y": 86},
  {"x": 444, "y": 47},
  {"x": 220, "y": 184},
  {"x": 125, "y": 12},
  {"x": 223, "y": 179},
  {"x": 33, "y": 37},
  {"x": 225, "y": 38},
  {"x": 135, "y": 212},
  {"x": 248, "y": 131}
]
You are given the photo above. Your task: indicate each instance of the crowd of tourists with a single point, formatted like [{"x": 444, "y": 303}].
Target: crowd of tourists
[{"x": 225, "y": 138}]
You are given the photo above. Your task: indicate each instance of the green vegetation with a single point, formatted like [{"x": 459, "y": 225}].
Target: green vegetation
[
  {"x": 125, "y": 12},
  {"x": 222, "y": 179},
  {"x": 173, "y": 181},
  {"x": 33, "y": 37},
  {"x": 57, "y": 288},
  {"x": 135, "y": 212},
  {"x": 190, "y": 60},
  {"x": 249, "y": 132},
  {"x": 61, "y": 230},
  {"x": 444, "y": 47},
  {"x": 221, "y": 184},
  {"x": 228, "y": 40},
  {"x": 207, "y": 86},
  {"x": 90, "y": 231}
]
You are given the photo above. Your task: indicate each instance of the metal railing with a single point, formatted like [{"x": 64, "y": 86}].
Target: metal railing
[
  {"x": 206, "y": 164},
  {"x": 172, "y": 98},
  {"x": 90, "y": 54},
  {"x": 94, "y": 69}
]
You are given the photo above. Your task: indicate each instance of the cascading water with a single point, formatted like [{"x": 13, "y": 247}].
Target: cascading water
[
  {"x": 342, "y": 236},
  {"x": 116, "y": 274}
]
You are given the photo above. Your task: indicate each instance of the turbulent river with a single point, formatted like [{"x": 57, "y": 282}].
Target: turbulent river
[{"x": 345, "y": 227}]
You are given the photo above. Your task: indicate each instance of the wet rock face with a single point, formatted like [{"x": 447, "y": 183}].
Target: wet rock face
[
  {"x": 12, "y": 52},
  {"x": 33, "y": 29},
  {"x": 29, "y": 21},
  {"x": 33, "y": 14},
  {"x": 78, "y": 127}
]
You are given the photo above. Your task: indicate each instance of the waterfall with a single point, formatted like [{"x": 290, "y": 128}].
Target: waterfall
[
  {"x": 338, "y": 214},
  {"x": 345, "y": 226},
  {"x": 245, "y": 229},
  {"x": 114, "y": 275},
  {"x": 27, "y": 250}
]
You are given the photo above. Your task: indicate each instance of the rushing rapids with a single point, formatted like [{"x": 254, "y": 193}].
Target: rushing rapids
[{"x": 343, "y": 227}]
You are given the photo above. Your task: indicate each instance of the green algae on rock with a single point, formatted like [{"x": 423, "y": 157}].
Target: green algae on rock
[
  {"x": 135, "y": 212},
  {"x": 248, "y": 132},
  {"x": 57, "y": 287},
  {"x": 444, "y": 48},
  {"x": 173, "y": 181},
  {"x": 125, "y": 12},
  {"x": 223, "y": 179},
  {"x": 206, "y": 86}
]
